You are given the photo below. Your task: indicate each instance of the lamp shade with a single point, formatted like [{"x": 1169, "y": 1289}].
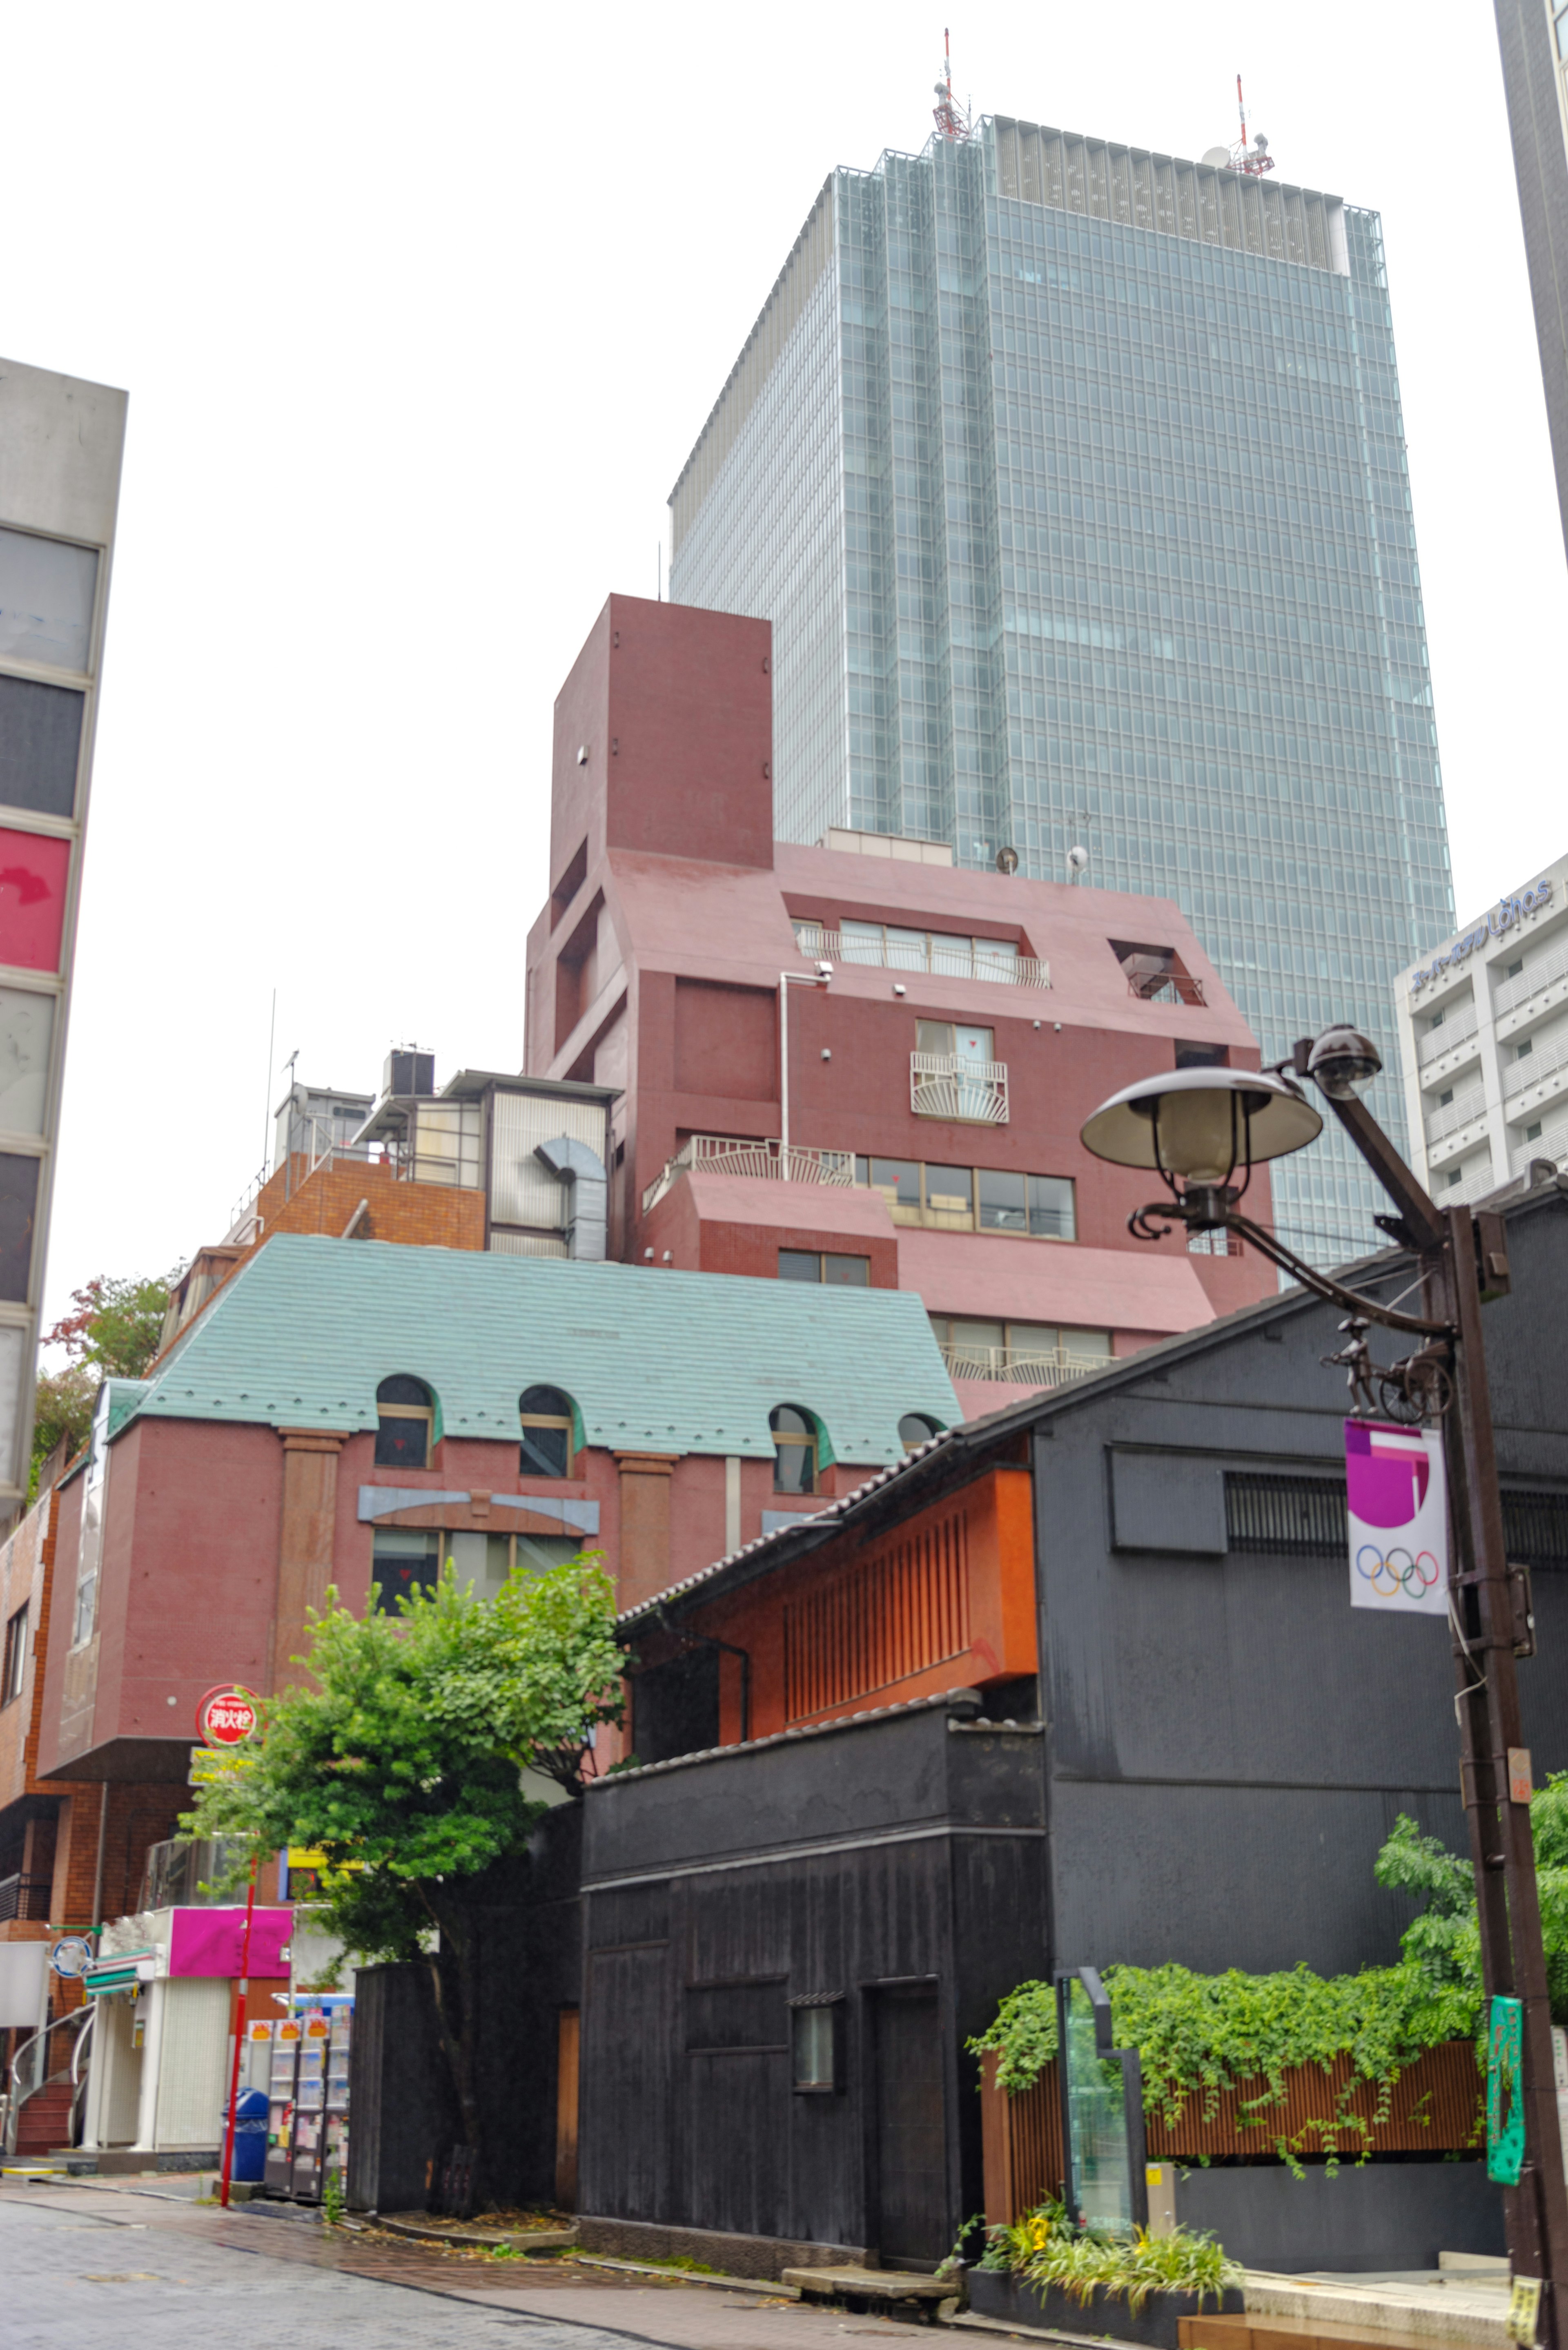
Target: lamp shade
[{"x": 1200, "y": 1123}]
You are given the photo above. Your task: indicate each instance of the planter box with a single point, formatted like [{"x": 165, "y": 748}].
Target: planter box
[{"x": 994, "y": 2294}]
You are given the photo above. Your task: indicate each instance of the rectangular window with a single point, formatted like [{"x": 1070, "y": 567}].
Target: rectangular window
[
  {"x": 1202, "y": 1056},
  {"x": 46, "y": 591},
  {"x": 1521, "y": 1053},
  {"x": 1003, "y": 1202},
  {"x": 824, "y": 1266},
  {"x": 403, "y": 1562},
  {"x": 27, "y": 1032},
  {"x": 40, "y": 746},
  {"x": 950, "y": 1197},
  {"x": 1029, "y": 1354},
  {"x": 898, "y": 947},
  {"x": 814, "y": 2068},
  {"x": 956, "y": 1039},
  {"x": 14, "y": 1671},
  {"x": 1051, "y": 1210}
]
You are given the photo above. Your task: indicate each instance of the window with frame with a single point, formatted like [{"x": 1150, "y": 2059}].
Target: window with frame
[
  {"x": 973, "y": 1198},
  {"x": 824, "y": 1265},
  {"x": 14, "y": 1670},
  {"x": 817, "y": 2067},
  {"x": 896, "y": 947},
  {"x": 918, "y": 1427},
  {"x": 794, "y": 1450},
  {"x": 547, "y": 1418},
  {"x": 402, "y": 1561},
  {"x": 405, "y": 1423}
]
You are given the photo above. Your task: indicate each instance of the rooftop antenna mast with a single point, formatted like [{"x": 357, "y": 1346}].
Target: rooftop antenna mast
[
  {"x": 1253, "y": 159},
  {"x": 951, "y": 119}
]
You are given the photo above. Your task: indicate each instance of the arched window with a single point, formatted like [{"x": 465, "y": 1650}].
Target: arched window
[
  {"x": 546, "y": 1417},
  {"x": 917, "y": 1428},
  {"x": 794, "y": 1450},
  {"x": 405, "y": 1423}
]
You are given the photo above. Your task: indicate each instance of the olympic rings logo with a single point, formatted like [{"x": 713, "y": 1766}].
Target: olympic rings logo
[{"x": 1398, "y": 1573}]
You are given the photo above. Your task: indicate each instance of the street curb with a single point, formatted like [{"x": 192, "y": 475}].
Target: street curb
[
  {"x": 536, "y": 2240},
  {"x": 774, "y": 2289}
]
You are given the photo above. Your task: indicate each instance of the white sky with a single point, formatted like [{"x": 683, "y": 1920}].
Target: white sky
[{"x": 420, "y": 311}]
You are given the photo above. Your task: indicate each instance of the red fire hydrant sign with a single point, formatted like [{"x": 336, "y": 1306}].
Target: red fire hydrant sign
[{"x": 227, "y": 1717}]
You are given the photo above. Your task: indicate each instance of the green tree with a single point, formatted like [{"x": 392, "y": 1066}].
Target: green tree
[
  {"x": 63, "y": 1409},
  {"x": 403, "y": 1766},
  {"x": 116, "y": 1325}
]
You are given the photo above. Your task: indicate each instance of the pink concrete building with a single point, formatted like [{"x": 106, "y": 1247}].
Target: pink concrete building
[{"x": 944, "y": 1033}]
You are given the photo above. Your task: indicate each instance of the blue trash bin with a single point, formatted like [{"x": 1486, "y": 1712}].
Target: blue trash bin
[{"x": 250, "y": 2137}]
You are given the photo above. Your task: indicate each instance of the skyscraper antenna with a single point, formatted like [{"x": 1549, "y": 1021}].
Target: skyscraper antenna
[
  {"x": 1255, "y": 159},
  {"x": 951, "y": 119}
]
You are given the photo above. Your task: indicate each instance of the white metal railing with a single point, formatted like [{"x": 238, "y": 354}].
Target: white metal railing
[
  {"x": 1530, "y": 982},
  {"x": 1455, "y": 1114},
  {"x": 725, "y": 1154},
  {"x": 1551, "y": 1144},
  {"x": 956, "y": 959},
  {"x": 1019, "y": 1368},
  {"x": 946, "y": 1085},
  {"x": 1474, "y": 1187},
  {"x": 1541, "y": 1062},
  {"x": 1443, "y": 1038},
  {"x": 30, "y": 2072}
]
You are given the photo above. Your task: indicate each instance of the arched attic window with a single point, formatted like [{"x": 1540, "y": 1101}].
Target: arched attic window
[
  {"x": 547, "y": 1418},
  {"x": 796, "y": 1448},
  {"x": 405, "y": 1423},
  {"x": 918, "y": 1427}
]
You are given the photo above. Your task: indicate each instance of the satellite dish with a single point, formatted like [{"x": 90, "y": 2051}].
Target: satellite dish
[
  {"x": 1007, "y": 860},
  {"x": 1077, "y": 858},
  {"x": 1215, "y": 157}
]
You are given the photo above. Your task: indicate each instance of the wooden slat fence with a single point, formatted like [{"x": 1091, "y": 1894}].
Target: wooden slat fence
[{"x": 1434, "y": 2108}]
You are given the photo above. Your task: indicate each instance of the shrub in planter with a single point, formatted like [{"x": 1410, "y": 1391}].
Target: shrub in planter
[{"x": 1042, "y": 2271}]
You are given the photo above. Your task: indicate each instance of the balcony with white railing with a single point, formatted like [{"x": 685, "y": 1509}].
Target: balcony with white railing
[
  {"x": 995, "y": 959},
  {"x": 728, "y": 1154},
  {"x": 1530, "y": 982},
  {"x": 1552, "y": 1143},
  {"x": 1458, "y": 1030},
  {"x": 1459, "y": 1112},
  {"x": 1544, "y": 1061},
  {"x": 947, "y": 1085},
  {"x": 1018, "y": 1368}
]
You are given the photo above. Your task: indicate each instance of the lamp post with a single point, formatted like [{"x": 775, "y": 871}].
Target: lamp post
[
  {"x": 820, "y": 977},
  {"x": 1203, "y": 1130}
]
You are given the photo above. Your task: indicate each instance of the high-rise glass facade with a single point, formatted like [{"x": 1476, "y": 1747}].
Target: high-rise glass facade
[{"x": 1073, "y": 481}]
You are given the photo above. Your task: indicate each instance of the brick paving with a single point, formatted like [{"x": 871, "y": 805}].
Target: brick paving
[{"x": 93, "y": 2267}]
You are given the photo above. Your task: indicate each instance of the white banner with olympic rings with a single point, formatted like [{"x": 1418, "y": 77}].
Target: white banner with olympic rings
[{"x": 1399, "y": 1502}]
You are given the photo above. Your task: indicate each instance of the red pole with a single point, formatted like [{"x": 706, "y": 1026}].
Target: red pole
[{"x": 239, "y": 2038}]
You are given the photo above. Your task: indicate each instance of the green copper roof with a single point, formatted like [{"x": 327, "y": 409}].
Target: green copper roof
[{"x": 678, "y": 1362}]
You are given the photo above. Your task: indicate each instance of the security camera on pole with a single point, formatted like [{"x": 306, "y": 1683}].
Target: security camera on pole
[{"x": 1203, "y": 1130}]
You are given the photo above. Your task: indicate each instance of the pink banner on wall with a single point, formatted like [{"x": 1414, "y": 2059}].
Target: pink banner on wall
[
  {"x": 34, "y": 870},
  {"x": 208, "y": 1942}
]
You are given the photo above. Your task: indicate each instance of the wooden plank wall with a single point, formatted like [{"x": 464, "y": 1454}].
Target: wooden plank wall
[{"x": 1434, "y": 2108}]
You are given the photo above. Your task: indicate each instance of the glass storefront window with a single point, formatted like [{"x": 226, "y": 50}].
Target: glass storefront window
[{"x": 46, "y": 591}]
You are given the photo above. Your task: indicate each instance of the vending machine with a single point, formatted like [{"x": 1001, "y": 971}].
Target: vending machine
[{"x": 280, "y": 2091}]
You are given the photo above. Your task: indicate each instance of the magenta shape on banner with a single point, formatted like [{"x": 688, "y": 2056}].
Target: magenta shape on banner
[
  {"x": 1386, "y": 1479},
  {"x": 208, "y": 1942}
]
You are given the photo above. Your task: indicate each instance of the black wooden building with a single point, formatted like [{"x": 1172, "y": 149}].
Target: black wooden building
[{"x": 1217, "y": 1746}]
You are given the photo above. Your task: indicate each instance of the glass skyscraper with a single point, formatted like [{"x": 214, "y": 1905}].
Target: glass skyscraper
[{"x": 1072, "y": 480}]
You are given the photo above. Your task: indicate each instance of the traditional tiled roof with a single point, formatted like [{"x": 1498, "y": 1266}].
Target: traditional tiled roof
[{"x": 661, "y": 1360}]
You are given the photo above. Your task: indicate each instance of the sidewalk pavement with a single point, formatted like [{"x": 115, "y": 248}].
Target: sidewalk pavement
[{"x": 95, "y": 2266}]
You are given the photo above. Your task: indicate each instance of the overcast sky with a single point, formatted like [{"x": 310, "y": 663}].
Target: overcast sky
[{"x": 420, "y": 311}]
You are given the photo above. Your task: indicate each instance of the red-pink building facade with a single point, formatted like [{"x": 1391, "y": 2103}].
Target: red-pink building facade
[{"x": 657, "y": 967}]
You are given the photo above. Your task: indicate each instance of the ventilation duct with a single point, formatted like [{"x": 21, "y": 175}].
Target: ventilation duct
[{"x": 584, "y": 1170}]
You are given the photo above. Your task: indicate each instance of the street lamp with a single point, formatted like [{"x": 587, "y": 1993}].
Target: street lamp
[
  {"x": 821, "y": 977},
  {"x": 1203, "y": 1130}
]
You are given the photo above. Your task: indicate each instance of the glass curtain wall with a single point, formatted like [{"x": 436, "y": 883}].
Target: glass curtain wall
[{"x": 1124, "y": 558}]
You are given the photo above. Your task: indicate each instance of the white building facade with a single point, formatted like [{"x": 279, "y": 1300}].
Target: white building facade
[{"x": 1483, "y": 1037}]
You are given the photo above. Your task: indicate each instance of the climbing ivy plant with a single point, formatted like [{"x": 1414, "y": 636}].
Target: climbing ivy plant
[{"x": 1199, "y": 2036}]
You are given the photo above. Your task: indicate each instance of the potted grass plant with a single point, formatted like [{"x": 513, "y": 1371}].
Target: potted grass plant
[{"x": 1044, "y": 2271}]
